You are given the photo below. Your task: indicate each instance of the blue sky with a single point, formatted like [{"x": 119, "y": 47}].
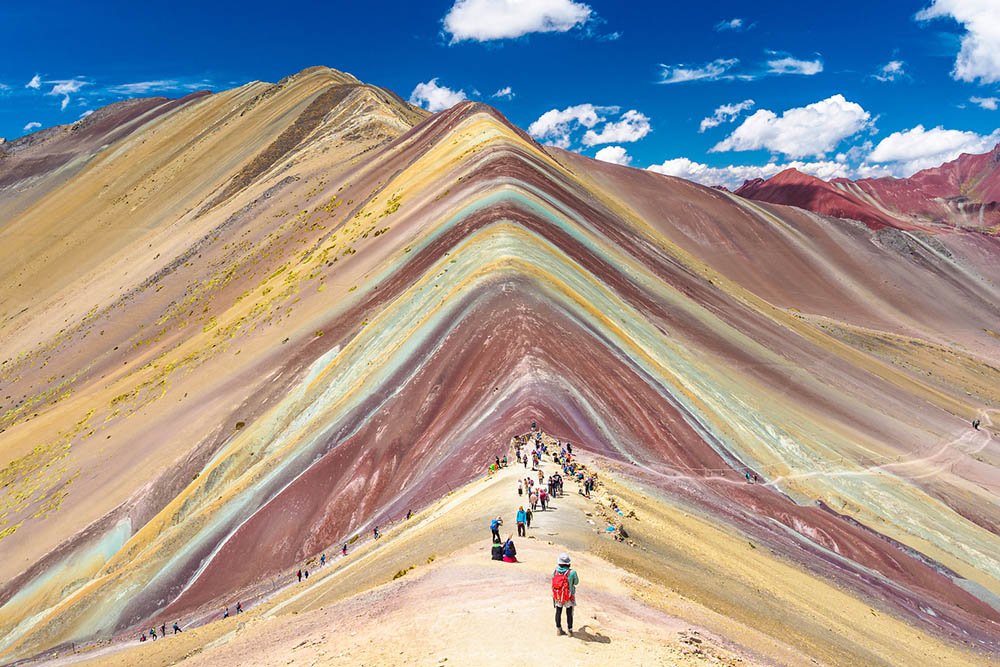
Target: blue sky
[{"x": 714, "y": 91}]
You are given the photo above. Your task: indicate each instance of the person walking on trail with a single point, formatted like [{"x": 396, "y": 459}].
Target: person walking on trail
[
  {"x": 527, "y": 517},
  {"x": 975, "y": 424},
  {"x": 543, "y": 497},
  {"x": 152, "y": 633},
  {"x": 322, "y": 559},
  {"x": 177, "y": 628},
  {"x": 239, "y": 607},
  {"x": 495, "y": 528},
  {"x": 564, "y": 583},
  {"x": 299, "y": 573},
  {"x": 520, "y": 488},
  {"x": 343, "y": 552},
  {"x": 534, "y": 499},
  {"x": 305, "y": 573},
  {"x": 375, "y": 533},
  {"x": 521, "y": 517},
  {"x": 225, "y": 614},
  {"x": 163, "y": 629}
]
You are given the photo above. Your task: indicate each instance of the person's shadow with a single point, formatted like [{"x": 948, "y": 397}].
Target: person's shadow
[{"x": 584, "y": 633}]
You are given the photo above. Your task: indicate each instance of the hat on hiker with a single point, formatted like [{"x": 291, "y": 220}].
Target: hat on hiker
[{"x": 564, "y": 559}]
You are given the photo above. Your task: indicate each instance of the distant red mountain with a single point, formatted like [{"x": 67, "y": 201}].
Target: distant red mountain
[{"x": 962, "y": 193}]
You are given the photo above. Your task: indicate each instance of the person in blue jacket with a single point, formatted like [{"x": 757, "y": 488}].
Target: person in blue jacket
[
  {"x": 495, "y": 528},
  {"x": 521, "y": 517}
]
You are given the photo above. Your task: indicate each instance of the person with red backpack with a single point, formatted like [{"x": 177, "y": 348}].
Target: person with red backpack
[{"x": 564, "y": 583}]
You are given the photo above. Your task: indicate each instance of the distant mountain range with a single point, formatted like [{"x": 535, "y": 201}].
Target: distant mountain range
[{"x": 962, "y": 193}]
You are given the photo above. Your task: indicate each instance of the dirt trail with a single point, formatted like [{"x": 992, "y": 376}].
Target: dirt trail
[
  {"x": 428, "y": 593},
  {"x": 461, "y": 606}
]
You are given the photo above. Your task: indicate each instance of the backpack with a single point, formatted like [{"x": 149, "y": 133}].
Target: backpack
[
  {"x": 560, "y": 587},
  {"x": 495, "y": 525}
]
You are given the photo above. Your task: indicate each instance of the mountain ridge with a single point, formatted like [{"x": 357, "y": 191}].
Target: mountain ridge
[
  {"x": 961, "y": 192},
  {"x": 366, "y": 321}
]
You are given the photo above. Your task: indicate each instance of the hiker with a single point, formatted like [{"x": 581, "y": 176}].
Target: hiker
[
  {"x": 564, "y": 583},
  {"x": 569, "y": 448},
  {"x": 975, "y": 424},
  {"x": 520, "y": 521},
  {"x": 520, "y": 488},
  {"x": 748, "y": 477},
  {"x": 142, "y": 637},
  {"x": 503, "y": 461},
  {"x": 343, "y": 552},
  {"x": 152, "y": 633},
  {"x": 177, "y": 628},
  {"x": 375, "y": 532},
  {"x": 322, "y": 559},
  {"x": 509, "y": 552},
  {"x": 497, "y": 462},
  {"x": 543, "y": 497},
  {"x": 525, "y": 461},
  {"x": 409, "y": 513},
  {"x": 527, "y": 517},
  {"x": 534, "y": 499},
  {"x": 496, "y": 553},
  {"x": 532, "y": 426},
  {"x": 163, "y": 629},
  {"x": 239, "y": 607},
  {"x": 225, "y": 614},
  {"x": 300, "y": 575},
  {"x": 306, "y": 573},
  {"x": 495, "y": 528},
  {"x": 755, "y": 478}
]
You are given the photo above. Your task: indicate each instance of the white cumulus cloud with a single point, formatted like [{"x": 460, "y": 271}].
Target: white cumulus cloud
[
  {"x": 504, "y": 93},
  {"x": 814, "y": 129},
  {"x": 633, "y": 126},
  {"x": 733, "y": 176},
  {"x": 713, "y": 71},
  {"x": 485, "y": 20},
  {"x": 986, "y": 102},
  {"x": 909, "y": 151},
  {"x": 35, "y": 83},
  {"x": 555, "y": 126},
  {"x": 789, "y": 65},
  {"x": 433, "y": 97},
  {"x": 614, "y": 155},
  {"x": 891, "y": 71},
  {"x": 31, "y": 126},
  {"x": 736, "y": 24},
  {"x": 979, "y": 57},
  {"x": 65, "y": 88},
  {"x": 725, "y": 113}
]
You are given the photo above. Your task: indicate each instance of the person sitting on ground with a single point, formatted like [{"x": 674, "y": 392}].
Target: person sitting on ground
[
  {"x": 564, "y": 583},
  {"x": 509, "y": 552},
  {"x": 520, "y": 521},
  {"x": 496, "y": 553}
]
